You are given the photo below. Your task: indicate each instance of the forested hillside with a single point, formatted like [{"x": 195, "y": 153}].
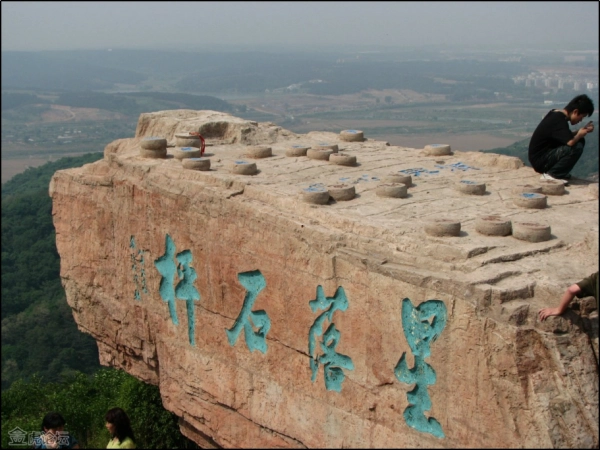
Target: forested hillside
[
  {"x": 47, "y": 363},
  {"x": 39, "y": 334}
]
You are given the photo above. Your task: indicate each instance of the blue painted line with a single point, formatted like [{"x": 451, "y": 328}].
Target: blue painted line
[{"x": 531, "y": 195}]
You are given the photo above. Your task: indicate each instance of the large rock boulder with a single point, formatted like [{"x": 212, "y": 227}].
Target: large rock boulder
[{"x": 268, "y": 321}]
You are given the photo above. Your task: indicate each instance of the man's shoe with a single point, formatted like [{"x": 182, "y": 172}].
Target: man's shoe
[{"x": 549, "y": 177}]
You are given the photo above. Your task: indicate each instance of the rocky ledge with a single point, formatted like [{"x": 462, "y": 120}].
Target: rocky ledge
[{"x": 382, "y": 297}]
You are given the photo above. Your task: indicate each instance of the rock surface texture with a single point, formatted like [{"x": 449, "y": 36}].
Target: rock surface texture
[{"x": 271, "y": 322}]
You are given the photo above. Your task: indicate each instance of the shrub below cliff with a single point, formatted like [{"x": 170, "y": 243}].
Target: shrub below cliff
[{"x": 83, "y": 401}]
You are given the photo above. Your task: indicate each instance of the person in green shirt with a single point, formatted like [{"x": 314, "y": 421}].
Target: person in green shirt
[
  {"x": 119, "y": 427},
  {"x": 588, "y": 287}
]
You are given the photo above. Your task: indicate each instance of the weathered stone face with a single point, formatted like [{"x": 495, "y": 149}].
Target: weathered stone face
[{"x": 271, "y": 322}]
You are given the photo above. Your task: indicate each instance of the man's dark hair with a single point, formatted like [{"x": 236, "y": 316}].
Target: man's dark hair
[
  {"x": 52, "y": 420},
  {"x": 119, "y": 419},
  {"x": 581, "y": 103}
]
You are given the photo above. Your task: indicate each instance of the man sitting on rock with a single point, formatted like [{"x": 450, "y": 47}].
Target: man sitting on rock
[
  {"x": 554, "y": 149},
  {"x": 588, "y": 287}
]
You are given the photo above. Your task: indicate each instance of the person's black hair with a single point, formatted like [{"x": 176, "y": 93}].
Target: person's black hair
[
  {"x": 53, "y": 420},
  {"x": 119, "y": 419},
  {"x": 581, "y": 103}
]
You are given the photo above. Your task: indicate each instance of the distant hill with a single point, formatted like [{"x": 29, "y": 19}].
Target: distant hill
[
  {"x": 32, "y": 70},
  {"x": 253, "y": 72},
  {"x": 586, "y": 167},
  {"x": 136, "y": 103},
  {"x": 131, "y": 104}
]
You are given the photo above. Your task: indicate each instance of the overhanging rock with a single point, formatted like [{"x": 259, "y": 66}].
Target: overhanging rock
[{"x": 268, "y": 321}]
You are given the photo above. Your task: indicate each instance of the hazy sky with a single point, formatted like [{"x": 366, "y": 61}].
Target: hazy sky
[{"x": 98, "y": 25}]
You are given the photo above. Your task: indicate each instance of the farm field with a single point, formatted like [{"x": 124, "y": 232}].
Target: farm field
[
  {"x": 400, "y": 117},
  {"x": 16, "y": 165},
  {"x": 12, "y": 167},
  {"x": 461, "y": 142},
  {"x": 403, "y": 117}
]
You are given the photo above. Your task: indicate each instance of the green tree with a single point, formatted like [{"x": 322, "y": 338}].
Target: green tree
[
  {"x": 84, "y": 400},
  {"x": 39, "y": 334}
]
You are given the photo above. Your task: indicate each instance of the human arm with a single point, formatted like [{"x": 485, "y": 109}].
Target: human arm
[
  {"x": 580, "y": 134},
  {"x": 589, "y": 126},
  {"x": 566, "y": 299}
]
